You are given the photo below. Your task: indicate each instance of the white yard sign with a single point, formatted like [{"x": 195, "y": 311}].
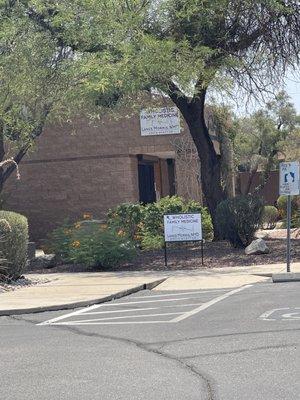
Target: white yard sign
[
  {"x": 182, "y": 227},
  {"x": 289, "y": 179},
  {"x": 160, "y": 121}
]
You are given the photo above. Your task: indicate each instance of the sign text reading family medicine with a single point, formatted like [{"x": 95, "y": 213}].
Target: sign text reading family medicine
[
  {"x": 160, "y": 121},
  {"x": 182, "y": 227}
]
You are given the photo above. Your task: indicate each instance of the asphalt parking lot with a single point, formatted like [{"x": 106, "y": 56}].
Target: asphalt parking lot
[{"x": 240, "y": 343}]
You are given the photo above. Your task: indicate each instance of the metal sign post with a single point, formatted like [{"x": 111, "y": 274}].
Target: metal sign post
[
  {"x": 166, "y": 256},
  {"x": 289, "y": 185},
  {"x": 288, "y": 249}
]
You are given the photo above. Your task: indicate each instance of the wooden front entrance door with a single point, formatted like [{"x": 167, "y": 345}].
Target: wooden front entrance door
[{"x": 147, "y": 183}]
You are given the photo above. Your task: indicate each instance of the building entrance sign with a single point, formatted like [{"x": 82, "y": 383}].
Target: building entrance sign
[
  {"x": 160, "y": 121},
  {"x": 184, "y": 227}
]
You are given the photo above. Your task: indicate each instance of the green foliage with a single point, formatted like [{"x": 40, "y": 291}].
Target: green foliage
[
  {"x": 295, "y": 222},
  {"x": 295, "y": 210},
  {"x": 5, "y": 229},
  {"x": 140, "y": 39},
  {"x": 282, "y": 205},
  {"x": 144, "y": 223},
  {"x": 59, "y": 241},
  {"x": 101, "y": 248},
  {"x": 270, "y": 217},
  {"x": 153, "y": 220},
  {"x": 259, "y": 137},
  {"x": 14, "y": 243},
  {"x": 239, "y": 218},
  {"x": 44, "y": 79},
  {"x": 36, "y": 77},
  {"x": 94, "y": 245},
  {"x": 182, "y": 47},
  {"x": 291, "y": 147},
  {"x": 207, "y": 227},
  {"x": 151, "y": 241},
  {"x": 126, "y": 216},
  {"x": 153, "y": 216}
]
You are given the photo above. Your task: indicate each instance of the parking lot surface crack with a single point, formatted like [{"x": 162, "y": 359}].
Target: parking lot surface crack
[
  {"x": 210, "y": 392},
  {"x": 222, "y": 353},
  {"x": 222, "y": 335}
]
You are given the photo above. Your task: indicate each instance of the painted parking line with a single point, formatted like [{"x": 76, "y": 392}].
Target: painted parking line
[
  {"x": 281, "y": 314},
  {"x": 113, "y": 318},
  {"x": 180, "y": 293},
  {"x": 210, "y": 303},
  {"x": 141, "y": 309},
  {"x": 125, "y": 308}
]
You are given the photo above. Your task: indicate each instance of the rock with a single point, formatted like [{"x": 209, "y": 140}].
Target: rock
[
  {"x": 258, "y": 246},
  {"x": 44, "y": 262}
]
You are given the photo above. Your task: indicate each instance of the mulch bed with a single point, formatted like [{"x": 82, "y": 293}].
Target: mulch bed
[{"x": 216, "y": 254}]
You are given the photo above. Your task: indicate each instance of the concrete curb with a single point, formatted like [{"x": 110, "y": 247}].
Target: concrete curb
[
  {"x": 86, "y": 303},
  {"x": 264, "y": 275},
  {"x": 286, "y": 277}
]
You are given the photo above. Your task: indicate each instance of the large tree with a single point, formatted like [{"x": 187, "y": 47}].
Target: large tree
[
  {"x": 184, "y": 48},
  {"x": 42, "y": 80},
  {"x": 250, "y": 42}
]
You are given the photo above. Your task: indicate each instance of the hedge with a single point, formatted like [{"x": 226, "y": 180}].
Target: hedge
[
  {"x": 13, "y": 244},
  {"x": 239, "y": 218}
]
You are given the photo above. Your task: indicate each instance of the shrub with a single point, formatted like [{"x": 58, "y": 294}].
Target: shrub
[
  {"x": 176, "y": 204},
  {"x": 14, "y": 244},
  {"x": 144, "y": 224},
  {"x": 295, "y": 210},
  {"x": 152, "y": 242},
  {"x": 270, "y": 217},
  {"x": 239, "y": 218},
  {"x": 127, "y": 217},
  {"x": 295, "y": 222},
  {"x": 282, "y": 205},
  {"x": 4, "y": 231},
  {"x": 60, "y": 240},
  {"x": 207, "y": 226},
  {"x": 171, "y": 204},
  {"x": 95, "y": 245}
]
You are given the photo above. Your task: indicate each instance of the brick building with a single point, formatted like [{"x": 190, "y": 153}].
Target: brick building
[{"x": 98, "y": 166}]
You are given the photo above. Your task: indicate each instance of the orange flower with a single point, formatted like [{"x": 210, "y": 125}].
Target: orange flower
[
  {"x": 121, "y": 232},
  {"x": 77, "y": 225},
  {"x": 87, "y": 215},
  {"x": 76, "y": 244}
]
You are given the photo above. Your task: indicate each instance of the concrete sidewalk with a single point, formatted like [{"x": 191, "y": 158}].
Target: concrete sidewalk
[
  {"x": 216, "y": 278},
  {"x": 71, "y": 290}
]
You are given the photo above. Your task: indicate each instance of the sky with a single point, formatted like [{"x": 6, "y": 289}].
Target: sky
[
  {"x": 293, "y": 89},
  {"x": 244, "y": 106}
]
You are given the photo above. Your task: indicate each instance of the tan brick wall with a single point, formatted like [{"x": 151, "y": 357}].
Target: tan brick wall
[
  {"x": 87, "y": 169},
  {"x": 51, "y": 192}
]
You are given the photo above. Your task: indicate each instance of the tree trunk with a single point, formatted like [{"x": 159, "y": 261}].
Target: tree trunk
[
  {"x": 227, "y": 165},
  {"x": 193, "y": 113}
]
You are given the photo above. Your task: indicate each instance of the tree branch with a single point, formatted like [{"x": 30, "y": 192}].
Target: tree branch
[
  {"x": 14, "y": 162},
  {"x": 178, "y": 98}
]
